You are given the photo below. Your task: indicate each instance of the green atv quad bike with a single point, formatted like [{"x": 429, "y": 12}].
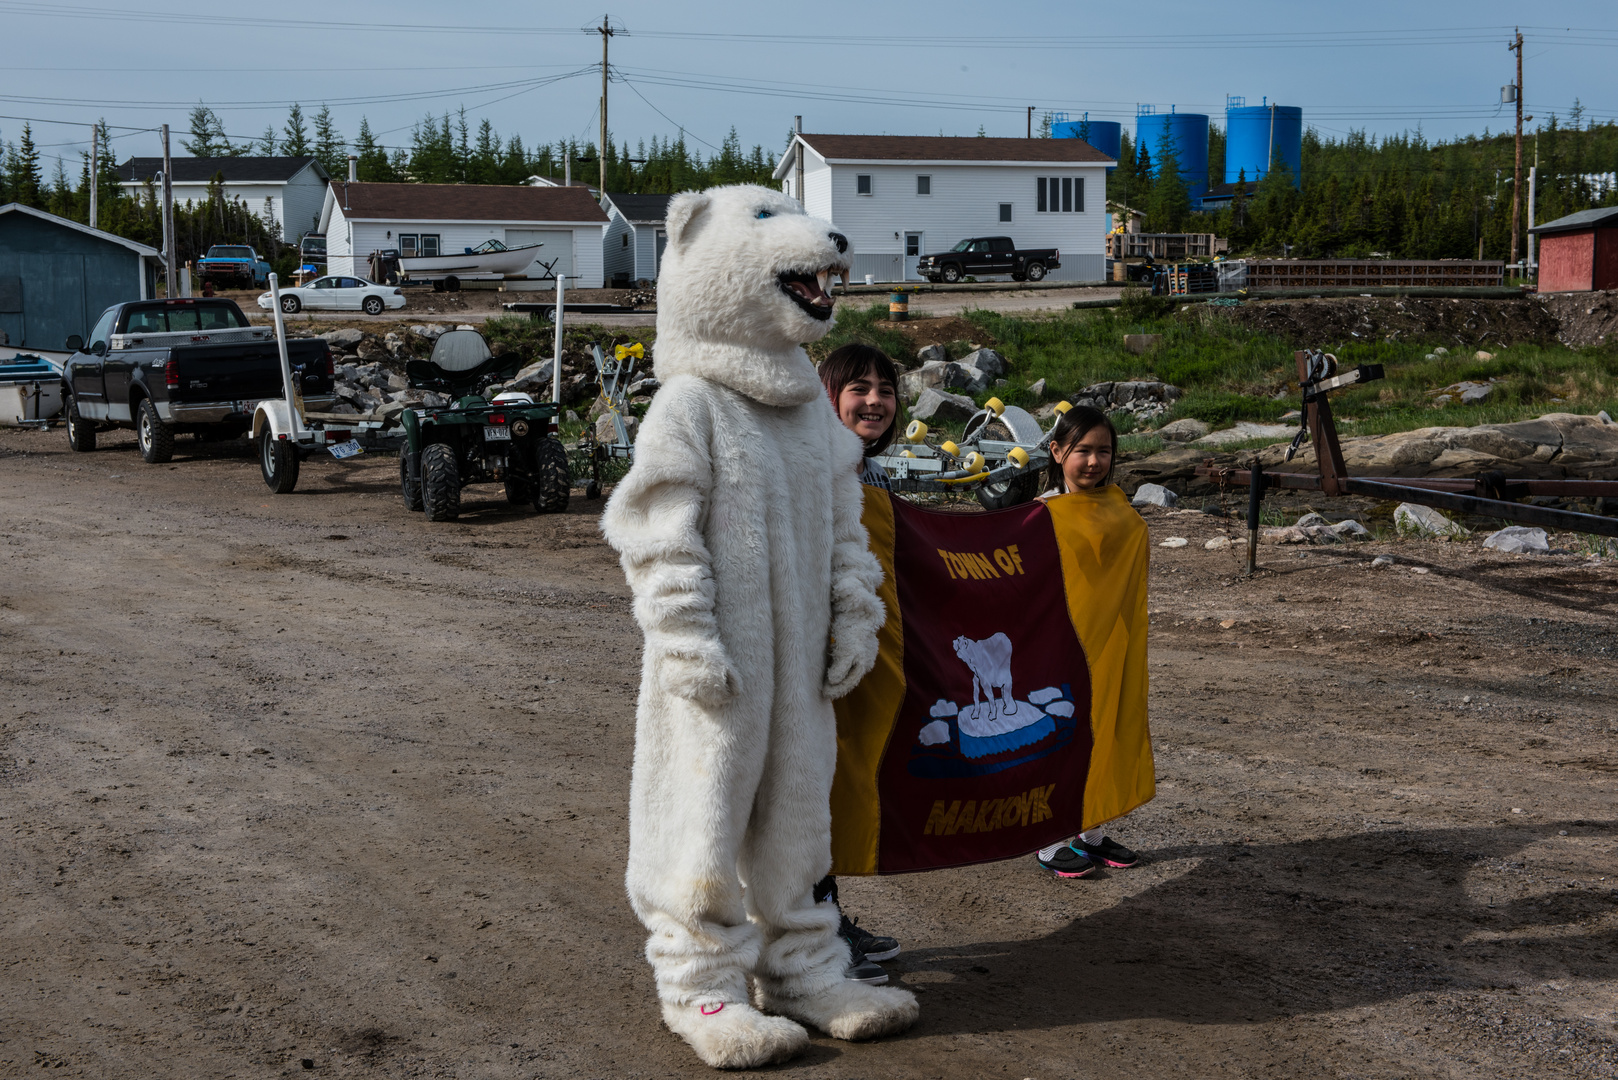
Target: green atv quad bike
[{"x": 475, "y": 439}]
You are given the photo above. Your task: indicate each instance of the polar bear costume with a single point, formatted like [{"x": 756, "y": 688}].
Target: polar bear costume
[{"x": 739, "y": 530}]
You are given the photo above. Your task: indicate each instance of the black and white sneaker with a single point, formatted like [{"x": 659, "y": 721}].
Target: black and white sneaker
[
  {"x": 862, "y": 970},
  {"x": 863, "y": 942},
  {"x": 1066, "y": 861},
  {"x": 1106, "y": 851}
]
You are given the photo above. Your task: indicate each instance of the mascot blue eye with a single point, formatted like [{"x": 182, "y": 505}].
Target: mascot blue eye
[{"x": 764, "y": 214}]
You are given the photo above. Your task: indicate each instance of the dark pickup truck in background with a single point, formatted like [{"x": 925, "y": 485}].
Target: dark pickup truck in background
[
  {"x": 989, "y": 255},
  {"x": 183, "y": 365}
]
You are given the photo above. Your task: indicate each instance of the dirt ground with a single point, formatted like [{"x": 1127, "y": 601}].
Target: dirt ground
[{"x": 306, "y": 784}]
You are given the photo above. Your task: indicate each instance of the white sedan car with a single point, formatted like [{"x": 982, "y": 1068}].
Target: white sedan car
[{"x": 337, "y": 293}]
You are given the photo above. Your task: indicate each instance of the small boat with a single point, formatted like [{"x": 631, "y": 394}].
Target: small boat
[
  {"x": 491, "y": 259},
  {"x": 30, "y": 389}
]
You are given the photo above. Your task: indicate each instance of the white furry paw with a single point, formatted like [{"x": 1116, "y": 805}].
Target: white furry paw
[
  {"x": 705, "y": 678},
  {"x": 849, "y": 664},
  {"x": 734, "y": 1035},
  {"x": 848, "y": 1010}
]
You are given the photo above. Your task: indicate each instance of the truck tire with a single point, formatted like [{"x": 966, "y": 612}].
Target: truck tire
[
  {"x": 440, "y": 482},
  {"x": 411, "y": 492},
  {"x": 1035, "y": 271},
  {"x": 1012, "y": 492},
  {"x": 156, "y": 438},
  {"x": 291, "y": 305},
  {"x": 278, "y": 462},
  {"x": 952, "y": 273},
  {"x": 373, "y": 305},
  {"x": 555, "y": 477},
  {"x": 81, "y": 436}
]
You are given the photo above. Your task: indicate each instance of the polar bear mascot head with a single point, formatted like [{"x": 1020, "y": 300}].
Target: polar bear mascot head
[{"x": 744, "y": 282}]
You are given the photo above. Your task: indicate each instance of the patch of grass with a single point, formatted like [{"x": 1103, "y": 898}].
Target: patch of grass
[{"x": 864, "y": 326}]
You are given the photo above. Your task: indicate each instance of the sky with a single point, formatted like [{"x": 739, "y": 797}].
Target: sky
[{"x": 943, "y": 67}]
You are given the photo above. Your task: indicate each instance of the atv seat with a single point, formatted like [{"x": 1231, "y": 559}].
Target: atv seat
[{"x": 460, "y": 362}]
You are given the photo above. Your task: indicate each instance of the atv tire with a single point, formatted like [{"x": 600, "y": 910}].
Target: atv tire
[
  {"x": 440, "y": 482},
  {"x": 517, "y": 493},
  {"x": 555, "y": 477},
  {"x": 411, "y": 492}
]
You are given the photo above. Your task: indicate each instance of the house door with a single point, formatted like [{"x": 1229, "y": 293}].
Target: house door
[
  {"x": 657, "y": 262},
  {"x": 556, "y": 257},
  {"x": 914, "y": 249}
]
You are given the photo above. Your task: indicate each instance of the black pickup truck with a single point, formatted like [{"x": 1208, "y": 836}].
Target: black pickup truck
[
  {"x": 182, "y": 365},
  {"x": 983, "y": 255}
]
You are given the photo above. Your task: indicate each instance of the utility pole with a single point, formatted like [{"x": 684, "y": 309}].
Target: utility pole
[
  {"x": 170, "y": 267},
  {"x": 1031, "y": 109},
  {"x": 1516, "y": 184},
  {"x": 95, "y": 173},
  {"x": 606, "y": 31}
]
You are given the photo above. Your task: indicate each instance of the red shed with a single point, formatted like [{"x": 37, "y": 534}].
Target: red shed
[{"x": 1579, "y": 252}]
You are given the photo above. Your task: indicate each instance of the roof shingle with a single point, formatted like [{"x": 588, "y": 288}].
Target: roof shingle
[
  {"x": 642, "y": 209},
  {"x": 954, "y": 148},
  {"x": 238, "y": 170},
  {"x": 1601, "y": 217},
  {"x": 465, "y": 202}
]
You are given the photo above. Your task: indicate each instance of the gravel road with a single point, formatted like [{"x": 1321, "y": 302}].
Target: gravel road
[{"x": 305, "y": 784}]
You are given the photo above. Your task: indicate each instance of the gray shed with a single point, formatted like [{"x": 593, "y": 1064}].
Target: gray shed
[{"x": 57, "y": 276}]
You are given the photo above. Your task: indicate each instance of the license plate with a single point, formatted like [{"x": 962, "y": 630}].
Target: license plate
[
  {"x": 496, "y": 431},
  {"x": 345, "y": 449}
]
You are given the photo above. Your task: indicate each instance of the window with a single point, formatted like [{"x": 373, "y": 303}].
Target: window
[
  {"x": 978, "y": 247},
  {"x": 1001, "y": 245},
  {"x": 1058, "y": 195},
  {"x": 626, "y": 240},
  {"x": 1005, "y": 211},
  {"x": 912, "y": 245},
  {"x": 408, "y": 245},
  {"x": 429, "y": 245},
  {"x": 924, "y": 185},
  {"x": 862, "y": 183}
]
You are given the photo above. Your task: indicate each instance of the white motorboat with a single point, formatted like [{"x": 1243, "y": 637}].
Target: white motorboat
[
  {"x": 30, "y": 387},
  {"x": 491, "y": 259}
]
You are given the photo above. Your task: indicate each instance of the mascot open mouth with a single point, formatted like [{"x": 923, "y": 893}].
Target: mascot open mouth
[{"x": 811, "y": 292}]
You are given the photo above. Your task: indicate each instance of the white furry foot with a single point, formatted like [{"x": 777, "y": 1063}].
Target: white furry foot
[
  {"x": 737, "y": 1036},
  {"x": 847, "y": 1010}
]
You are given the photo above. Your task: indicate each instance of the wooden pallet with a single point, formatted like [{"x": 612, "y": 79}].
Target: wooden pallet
[{"x": 1371, "y": 273}]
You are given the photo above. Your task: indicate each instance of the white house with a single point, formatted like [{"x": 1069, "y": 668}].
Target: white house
[
  {"x": 285, "y": 190},
  {"x": 432, "y": 219},
  {"x": 898, "y": 197},
  {"x": 635, "y": 235}
]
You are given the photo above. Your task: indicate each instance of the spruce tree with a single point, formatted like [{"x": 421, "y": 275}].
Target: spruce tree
[
  {"x": 296, "y": 140},
  {"x": 330, "y": 148}
]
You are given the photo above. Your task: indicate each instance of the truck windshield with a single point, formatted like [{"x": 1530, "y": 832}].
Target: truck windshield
[
  {"x": 180, "y": 318},
  {"x": 230, "y": 253},
  {"x": 964, "y": 245}
]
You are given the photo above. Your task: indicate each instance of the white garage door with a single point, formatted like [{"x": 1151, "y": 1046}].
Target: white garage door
[{"x": 556, "y": 255}]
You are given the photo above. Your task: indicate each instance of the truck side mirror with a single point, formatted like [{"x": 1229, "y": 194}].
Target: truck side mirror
[
  {"x": 99, "y": 348},
  {"x": 74, "y": 343}
]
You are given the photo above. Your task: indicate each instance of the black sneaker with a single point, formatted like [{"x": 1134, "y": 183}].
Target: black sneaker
[
  {"x": 1108, "y": 851},
  {"x": 1068, "y": 862},
  {"x": 862, "y": 941},
  {"x": 861, "y": 970}
]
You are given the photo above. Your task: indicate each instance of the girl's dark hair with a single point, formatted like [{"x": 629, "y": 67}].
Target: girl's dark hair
[
  {"x": 1074, "y": 425},
  {"x": 850, "y": 362}
]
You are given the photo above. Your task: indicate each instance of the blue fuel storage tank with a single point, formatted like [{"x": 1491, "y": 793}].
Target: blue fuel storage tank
[
  {"x": 1255, "y": 135},
  {"x": 1105, "y": 135},
  {"x": 1187, "y": 133}
]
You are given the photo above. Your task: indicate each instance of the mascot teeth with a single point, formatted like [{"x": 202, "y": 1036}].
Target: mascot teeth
[{"x": 811, "y": 292}]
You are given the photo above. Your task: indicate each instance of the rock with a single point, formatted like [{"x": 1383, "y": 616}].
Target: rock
[
  {"x": 1154, "y": 495},
  {"x": 392, "y": 408},
  {"x": 1142, "y": 343},
  {"x": 1245, "y": 431},
  {"x": 1349, "y": 530},
  {"x": 965, "y": 377},
  {"x": 431, "y": 400},
  {"x": 345, "y": 392},
  {"x": 1481, "y": 355},
  {"x": 1412, "y": 519},
  {"x": 1603, "y": 417},
  {"x": 1294, "y": 416},
  {"x": 1183, "y": 430},
  {"x": 929, "y": 376},
  {"x": 1286, "y": 534},
  {"x": 430, "y": 331},
  {"x": 371, "y": 349},
  {"x": 1441, "y": 351},
  {"x": 571, "y": 417},
  {"x": 1313, "y": 529},
  {"x": 343, "y": 339},
  {"x": 1381, "y": 562},
  {"x": 607, "y": 432},
  {"x": 931, "y": 354},
  {"x": 533, "y": 376},
  {"x": 1218, "y": 543},
  {"x": 1311, "y": 519},
  {"x": 1519, "y": 540},
  {"x": 397, "y": 381},
  {"x": 987, "y": 361},
  {"x": 348, "y": 372},
  {"x": 343, "y": 408},
  {"x": 1037, "y": 389},
  {"x": 1174, "y": 542},
  {"x": 938, "y": 406},
  {"x": 466, "y": 326},
  {"x": 647, "y": 385},
  {"x": 393, "y": 342}
]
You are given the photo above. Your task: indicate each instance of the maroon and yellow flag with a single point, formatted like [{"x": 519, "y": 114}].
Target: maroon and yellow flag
[{"x": 1007, "y": 708}]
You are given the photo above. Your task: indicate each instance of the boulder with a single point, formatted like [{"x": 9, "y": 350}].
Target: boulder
[
  {"x": 430, "y": 331},
  {"x": 647, "y": 385},
  {"x": 1413, "y": 519},
  {"x": 929, "y": 376},
  {"x": 1037, "y": 389},
  {"x": 987, "y": 361},
  {"x": 346, "y": 340},
  {"x": 966, "y": 377},
  {"x": 931, "y": 354},
  {"x": 607, "y": 432},
  {"x": 1183, "y": 430},
  {"x": 940, "y": 407},
  {"x": 396, "y": 381},
  {"x": 348, "y": 372},
  {"x": 1244, "y": 431},
  {"x": 1519, "y": 540},
  {"x": 371, "y": 349},
  {"x": 1142, "y": 343},
  {"x": 1154, "y": 495}
]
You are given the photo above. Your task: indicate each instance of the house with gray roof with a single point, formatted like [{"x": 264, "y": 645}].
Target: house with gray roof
[
  {"x": 285, "y": 190},
  {"x": 635, "y": 237}
]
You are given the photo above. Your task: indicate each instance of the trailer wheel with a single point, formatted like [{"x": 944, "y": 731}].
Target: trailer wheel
[
  {"x": 555, "y": 477},
  {"x": 411, "y": 492},
  {"x": 81, "y": 436},
  {"x": 1011, "y": 492},
  {"x": 440, "y": 482},
  {"x": 278, "y": 461},
  {"x": 1036, "y": 271},
  {"x": 156, "y": 438},
  {"x": 452, "y": 284}
]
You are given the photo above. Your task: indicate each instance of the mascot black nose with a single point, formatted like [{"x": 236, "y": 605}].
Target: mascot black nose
[{"x": 840, "y": 240}]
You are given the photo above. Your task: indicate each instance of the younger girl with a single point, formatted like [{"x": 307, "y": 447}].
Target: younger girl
[{"x": 1083, "y": 446}]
